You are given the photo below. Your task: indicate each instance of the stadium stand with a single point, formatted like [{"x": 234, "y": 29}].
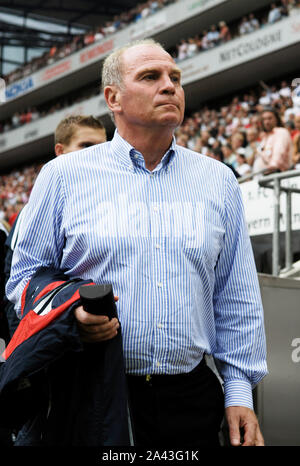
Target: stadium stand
[{"x": 236, "y": 58}]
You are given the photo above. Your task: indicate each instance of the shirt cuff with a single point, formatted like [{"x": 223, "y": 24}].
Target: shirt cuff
[{"x": 238, "y": 393}]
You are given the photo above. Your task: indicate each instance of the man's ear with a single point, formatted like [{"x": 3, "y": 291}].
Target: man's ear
[
  {"x": 59, "y": 149},
  {"x": 112, "y": 97}
]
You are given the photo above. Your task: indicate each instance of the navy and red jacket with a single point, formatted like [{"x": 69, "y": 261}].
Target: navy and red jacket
[{"x": 61, "y": 390}]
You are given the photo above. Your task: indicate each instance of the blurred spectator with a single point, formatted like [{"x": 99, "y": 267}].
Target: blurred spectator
[
  {"x": 275, "y": 151},
  {"x": 78, "y": 132},
  {"x": 217, "y": 154},
  {"x": 213, "y": 36},
  {"x": 227, "y": 153},
  {"x": 237, "y": 143},
  {"x": 294, "y": 7},
  {"x": 225, "y": 34},
  {"x": 290, "y": 126},
  {"x": 252, "y": 146},
  {"x": 274, "y": 14},
  {"x": 296, "y": 143},
  {"x": 16, "y": 120},
  {"x": 182, "y": 140},
  {"x": 205, "y": 44},
  {"x": 89, "y": 38},
  {"x": 265, "y": 99},
  {"x": 242, "y": 167},
  {"x": 253, "y": 22},
  {"x": 99, "y": 34},
  {"x": 296, "y": 126},
  {"x": 192, "y": 48},
  {"x": 245, "y": 26},
  {"x": 285, "y": 8},
  {"x": 285, "y": 90},
  {"x": 255, "y": 121},
  {"x": 182, "y": 48}
]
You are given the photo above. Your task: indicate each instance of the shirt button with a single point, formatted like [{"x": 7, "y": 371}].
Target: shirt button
[
  {"x": 157, "y": 246},
  {"x": 158, "y": 364},
  {"x": 159, "y": 284},
  {"x": 155, "y": 209},
  {"x": 159, "y": 325}
]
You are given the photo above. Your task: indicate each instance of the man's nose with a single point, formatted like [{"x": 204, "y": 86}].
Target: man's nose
[{"x": 167, "y": 85}]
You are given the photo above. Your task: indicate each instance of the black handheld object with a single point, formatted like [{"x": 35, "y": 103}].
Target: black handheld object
[{"x": 98, "y": 300}]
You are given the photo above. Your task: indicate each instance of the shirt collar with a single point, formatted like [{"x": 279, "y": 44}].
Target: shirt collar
[{"x": 133, "y": 159}]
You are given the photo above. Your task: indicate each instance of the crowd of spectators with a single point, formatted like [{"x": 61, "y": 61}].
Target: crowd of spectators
[
  {"x": 31, "y": 114},
  {"x": 15, "y": 188},
  {"x": 59, "y": 51},
  {"x": 220, "y": 34},
  {"x": 215, "y": 35},
  {"x": 233, "y": 132}
]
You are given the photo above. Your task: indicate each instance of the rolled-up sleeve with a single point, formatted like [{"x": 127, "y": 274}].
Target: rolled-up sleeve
[
  {"x": 241, "y": 344},
  {"x": 40, "y": 241}
]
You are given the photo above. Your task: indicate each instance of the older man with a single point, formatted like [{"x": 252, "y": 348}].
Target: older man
[{"x": 165, "y": 226}]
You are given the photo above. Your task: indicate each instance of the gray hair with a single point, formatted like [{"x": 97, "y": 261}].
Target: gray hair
[{"x": 112, "y": 73}]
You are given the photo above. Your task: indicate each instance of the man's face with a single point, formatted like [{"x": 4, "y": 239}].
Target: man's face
[
  {"x": 151, "y": 95},
  {"x": 83, "y": 137},
  {"x": 251, "y": 136},
  {"x": 269, "y": 121}
]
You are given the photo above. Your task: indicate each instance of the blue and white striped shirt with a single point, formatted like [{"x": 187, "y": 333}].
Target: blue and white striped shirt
[{"x": 173, "y": 243}]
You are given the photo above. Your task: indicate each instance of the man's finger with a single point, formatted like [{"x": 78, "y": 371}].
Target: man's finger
[
  {"x": 104, "y": 326},
  {"x": 249, "y": 434},
  {"x": 234, "y": 431},
  {"x": 259, "y": 438},
  {"x": 239, "y": 417},
  {"x": 93, "y": 328},
  {"x": 89, "y": 319},
  {"x": 97, "y": 333}
]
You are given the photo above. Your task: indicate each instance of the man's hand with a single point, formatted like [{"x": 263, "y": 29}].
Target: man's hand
[
  {"x": 240, "y": 417},
  {"x": 93, "y": 328}
]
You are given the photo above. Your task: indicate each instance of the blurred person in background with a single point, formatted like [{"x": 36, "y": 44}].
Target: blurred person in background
[
  {"x": 253, "y": 143},
  {"x": 78, "y": 132},
  {"x": 225, "y": 34},
  {"x": 242, "y": 167},
  {"x": 275, "y": 150},
  {"x": 274, "y": 14},
  {"x": 237, "y": 141},
  {"x": 296, "y": 143}
]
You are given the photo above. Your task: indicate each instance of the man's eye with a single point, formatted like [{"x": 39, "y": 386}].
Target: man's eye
[
  {"x": 176, "y": 79},
  {"x": 150, "y": 76}
]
